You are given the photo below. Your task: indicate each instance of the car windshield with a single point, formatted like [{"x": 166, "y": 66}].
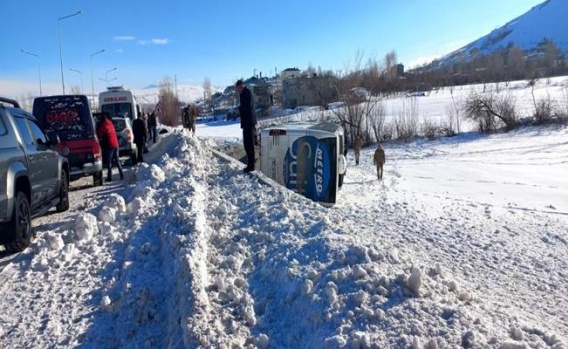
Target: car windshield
[{"x": 118, "y": 110}]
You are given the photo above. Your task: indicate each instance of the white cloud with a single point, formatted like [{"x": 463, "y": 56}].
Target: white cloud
[
  {"x": 160, "y": 41},
  {"x": 163, "y": 41},
  {"x": 124, "y": 38},
  {"x": 119, "y": 50}
]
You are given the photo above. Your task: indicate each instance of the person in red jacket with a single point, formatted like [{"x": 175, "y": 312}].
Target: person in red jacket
[{"x": 109, "y": 144}]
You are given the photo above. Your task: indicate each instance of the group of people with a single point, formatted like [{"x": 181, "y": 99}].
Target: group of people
[
  {"x": 378, "y": 156},
  {"x": 144, "y": 127}
]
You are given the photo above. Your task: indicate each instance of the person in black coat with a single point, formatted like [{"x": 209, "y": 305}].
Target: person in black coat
[
  {"x": 152, "y": 127},
  {"x": 248, "y": 123},
  {"x": 139, "y": 130}
]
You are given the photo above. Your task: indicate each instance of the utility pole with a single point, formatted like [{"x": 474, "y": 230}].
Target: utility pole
[
  {"x": 38, "y": 68},
  {"x": 59, "y": 39},
  {"x": 92, "y": 79}
]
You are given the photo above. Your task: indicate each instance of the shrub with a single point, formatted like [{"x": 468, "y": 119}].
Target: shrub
[
  {"x": 544, "y": 111},
  {"x": 490, "y": 112},
  {"x": 430, "y": 130}
]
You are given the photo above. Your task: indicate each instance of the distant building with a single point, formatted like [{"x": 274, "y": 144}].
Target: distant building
[
  {"x": 400, "y": 70},
  {"x": 290, "y": 73},
  {"x": 262, "y": 92},
  {"x": 308, "y": 91}
]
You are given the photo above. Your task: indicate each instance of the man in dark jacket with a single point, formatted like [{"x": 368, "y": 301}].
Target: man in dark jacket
[
  {"x": 152, "y": 127},
  {"x": 248, "y": 123},
  {"x": 139, "y": 130},
  {"x": 106, "y": 131}
]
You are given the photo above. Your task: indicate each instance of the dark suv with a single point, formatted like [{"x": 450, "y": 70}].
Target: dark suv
[
  {"x": 34, "y": 177},
  {"x": 70, "y": 118}
]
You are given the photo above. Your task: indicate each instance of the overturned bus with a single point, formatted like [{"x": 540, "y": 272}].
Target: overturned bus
[{"x": 305, "y": 157}]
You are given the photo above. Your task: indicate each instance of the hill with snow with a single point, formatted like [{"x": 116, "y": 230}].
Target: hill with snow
[{"x": 547, "y": 20}]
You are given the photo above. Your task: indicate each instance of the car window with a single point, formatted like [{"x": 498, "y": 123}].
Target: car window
[
  {"x": 3, "y": 129},
  {"x": 22, "y": 126},
  {"x": 119, "y": 124},
  {"x": 118, "y": 109},
  {"x": 37, "y": 133}
]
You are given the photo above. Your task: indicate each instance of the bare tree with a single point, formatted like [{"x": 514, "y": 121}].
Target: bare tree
[
  {"x": 75, "y": 90},
  {"x": 168, "y": 103},
  {"x": 26, "y": 101},
  {"x": 515, "y": 61},
  {"x": 550, "y": 54},
  {"x": 207, "y": 93},
  {"x": 390, "y": 65},
  {"x": 456, "y": 103},
  {"x": 378, "y": 124},
  {"x": 406, "y": 122}
]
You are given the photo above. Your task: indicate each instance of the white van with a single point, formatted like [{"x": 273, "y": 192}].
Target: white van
[
  {"x": 305, "y": 157},
  {"x": 119, "y": 102}
]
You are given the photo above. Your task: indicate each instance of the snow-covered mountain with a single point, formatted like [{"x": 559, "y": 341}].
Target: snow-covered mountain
[{"x": 547, "y": 20}]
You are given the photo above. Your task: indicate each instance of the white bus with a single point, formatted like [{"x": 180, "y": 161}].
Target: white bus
[
  {"x": 119, "y": 102},
  {"x": 305, "y": 157}
]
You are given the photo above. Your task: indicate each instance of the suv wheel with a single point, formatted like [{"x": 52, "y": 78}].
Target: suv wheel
[
  {"x": 63, "y": 194},
  {"x": 98, "y": 179},
  {"x": 20, "y": 224}
]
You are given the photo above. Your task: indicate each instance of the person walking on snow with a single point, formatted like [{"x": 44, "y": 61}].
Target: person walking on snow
[
  {"x": 357, "y": 148},
  {"x": 379, "y": 161}
]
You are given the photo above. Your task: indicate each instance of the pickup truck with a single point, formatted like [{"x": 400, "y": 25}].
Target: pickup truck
[{"x": 34, "y": 176}]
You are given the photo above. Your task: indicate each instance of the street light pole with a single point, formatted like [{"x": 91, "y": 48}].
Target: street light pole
[
  {"x": 59, "y": 38},
  {"x": 81, "y": 74},
  {"x": 92, "y": 79},
  {"x": 38, "y": 68},
  {"x": 108, "y": 71},
  {"x": 107, "y": 81}
]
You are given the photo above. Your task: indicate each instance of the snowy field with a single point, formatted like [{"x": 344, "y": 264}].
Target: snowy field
[{"x": 464, "y": 244}]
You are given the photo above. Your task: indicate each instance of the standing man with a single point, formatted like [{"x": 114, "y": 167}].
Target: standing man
[
  {"x": 152, "y": 125},
  {"x": 185, "y": 117},
  {"x": 139, "y": 130},
  {"x": 107, "y": 132},
  {"x": 248, "y": 123},
  {"x": 193, "y": 117}
]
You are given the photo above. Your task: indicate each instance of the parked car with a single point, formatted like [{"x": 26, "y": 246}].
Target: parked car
[
  {"x": 125, "y": 134},
  {"x": 34, "y": 176},
  {"x": 69, "y": 117},
  {"x": 360, "y": 92}
]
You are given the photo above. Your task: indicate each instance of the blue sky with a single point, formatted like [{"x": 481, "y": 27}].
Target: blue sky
[{"x": 225, "y": 40}]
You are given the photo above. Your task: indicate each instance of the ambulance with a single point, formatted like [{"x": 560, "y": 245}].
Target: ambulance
[
  {"x": 119, "y": 102},
  {"x": 307, "y": 158}
]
